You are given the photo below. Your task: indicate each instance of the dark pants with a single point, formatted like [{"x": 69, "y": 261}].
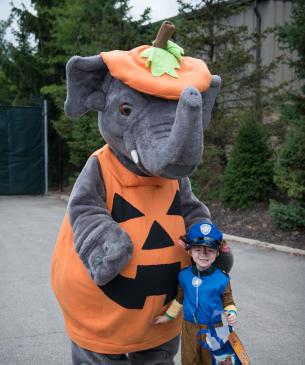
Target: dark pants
[{"x": 161, "y": 355}]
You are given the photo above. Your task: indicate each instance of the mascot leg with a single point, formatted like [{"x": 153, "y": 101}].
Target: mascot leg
[
  {"x": 81, "y": 356},
  {"x": 163, "y": 354}
]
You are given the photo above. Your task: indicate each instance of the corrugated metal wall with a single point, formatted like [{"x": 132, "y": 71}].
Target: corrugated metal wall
[{"x": 273, "y": 12}]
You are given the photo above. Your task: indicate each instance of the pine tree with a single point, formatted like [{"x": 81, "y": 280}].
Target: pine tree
[
  {"x": 205, "y": 31},
  {"x": 7, "y": 88},
  {"x": 86, "y": 28},
  {"x": 34, "y": 66},
  {"x": 248, "y": 175},
  {"x": 290, "y": 166},
  {"x": 289, "y": 176}
]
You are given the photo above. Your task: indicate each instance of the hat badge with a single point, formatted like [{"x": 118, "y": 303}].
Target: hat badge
[{"x": 205, "y": 229}]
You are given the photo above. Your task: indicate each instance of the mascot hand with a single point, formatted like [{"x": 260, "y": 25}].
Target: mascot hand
[
  {"x": 225, "y": 258},
  {"x": 108, "y": 260}
]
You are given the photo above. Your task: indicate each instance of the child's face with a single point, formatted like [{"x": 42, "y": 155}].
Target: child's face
[{"x": 203, "y": 256}]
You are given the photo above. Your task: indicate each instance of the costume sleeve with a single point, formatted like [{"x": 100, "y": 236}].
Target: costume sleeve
[
  {"x": 227, "y": 299},
  {"x": 192, "y": 209},
  {"x": 102, "y": 245},
  {"x": 176, "y": 306}
]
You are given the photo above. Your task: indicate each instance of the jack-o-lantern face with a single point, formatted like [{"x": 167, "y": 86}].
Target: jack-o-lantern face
[
  {"x": 148, "y": 210},
  {"x": 149, "y": 280}
]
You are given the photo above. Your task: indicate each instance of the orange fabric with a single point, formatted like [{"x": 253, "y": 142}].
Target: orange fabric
[
  {"x": 93, "y": 320},
  {"x": 130, "y": 68}
]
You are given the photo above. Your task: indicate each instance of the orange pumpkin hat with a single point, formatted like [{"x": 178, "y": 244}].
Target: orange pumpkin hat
[{"x": 131, "y": 67}]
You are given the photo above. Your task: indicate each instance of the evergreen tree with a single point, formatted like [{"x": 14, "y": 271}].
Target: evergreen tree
[
  {"x": 7, "y": 87},
  {"x": 289, "y": 214},
  {"x": 290, "y": 166},
  {"x": 18, "y": 63},
  {"x": 86, "y": 28},
  {"x": 46, "y": 39},
  {"x": 248, "y": 175},
  {"x": 205, "y": 31}
]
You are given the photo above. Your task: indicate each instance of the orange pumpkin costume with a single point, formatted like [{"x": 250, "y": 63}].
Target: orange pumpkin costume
[{"x": 117, "y": 317}]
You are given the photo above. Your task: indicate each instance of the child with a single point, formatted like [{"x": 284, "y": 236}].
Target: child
[{"x": 204, "y": 290}]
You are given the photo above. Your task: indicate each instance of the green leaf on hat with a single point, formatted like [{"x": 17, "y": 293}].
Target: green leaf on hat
[
  {"x": 162, "y": 60},
  {"x": 176, "y": 50}
]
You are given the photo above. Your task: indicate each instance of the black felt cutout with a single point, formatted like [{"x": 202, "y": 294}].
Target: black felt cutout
[
  {"x": 150, "y": 280},
  {"x": 122, "y": 210},
  {"x": 157, "y": 238},
  {"x": 175, "y": 208}
]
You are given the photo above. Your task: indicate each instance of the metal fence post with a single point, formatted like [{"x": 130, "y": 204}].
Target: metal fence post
[{"x": 45, "y": 118}]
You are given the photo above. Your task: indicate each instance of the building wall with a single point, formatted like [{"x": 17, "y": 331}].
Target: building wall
[{"x": 273, "y": 13}]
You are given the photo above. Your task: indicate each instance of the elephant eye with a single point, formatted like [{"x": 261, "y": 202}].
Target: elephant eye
[{"x": 125, "y": 109}]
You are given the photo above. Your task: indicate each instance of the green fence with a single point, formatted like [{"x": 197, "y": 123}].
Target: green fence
[{"x": 22, "y": 164}]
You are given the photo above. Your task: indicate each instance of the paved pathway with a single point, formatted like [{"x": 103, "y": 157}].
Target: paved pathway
[{"x": 269, "y": 288}]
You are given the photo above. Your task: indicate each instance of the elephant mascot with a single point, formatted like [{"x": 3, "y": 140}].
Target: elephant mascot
[{"x": 116, "y": 260}]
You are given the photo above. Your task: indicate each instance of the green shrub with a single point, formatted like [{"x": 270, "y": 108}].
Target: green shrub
[
  {"x": 289, "y": 170},
  {"x": 206, "y": 179},
  {"x": 289, "y": 216},
  {"x": 290, "y": 166},
  {"x": 248, "y": 175}
]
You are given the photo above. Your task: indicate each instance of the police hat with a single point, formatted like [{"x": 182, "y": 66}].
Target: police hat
[{"x": 204, "y": 234}]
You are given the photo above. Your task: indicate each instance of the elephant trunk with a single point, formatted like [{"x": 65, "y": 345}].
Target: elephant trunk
[{"x": 181, "y": 152}]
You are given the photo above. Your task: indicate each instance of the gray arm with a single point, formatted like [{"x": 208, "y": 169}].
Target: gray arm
[
  {"x": 102, "y": 245},
  {"x": 193, "y": 210}
]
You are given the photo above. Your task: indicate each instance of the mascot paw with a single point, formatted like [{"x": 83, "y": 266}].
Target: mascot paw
[
  {"x": 107, "y": 261},
  {"x": 225, "y": 260}
]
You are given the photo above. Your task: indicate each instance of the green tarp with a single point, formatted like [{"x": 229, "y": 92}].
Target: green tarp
[{"x": 21, "y": 150}]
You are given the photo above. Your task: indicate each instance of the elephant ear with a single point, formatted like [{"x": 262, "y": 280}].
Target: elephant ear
[
  {"x": 85, "y": 77},
  {"x": 208, "y": 100}
]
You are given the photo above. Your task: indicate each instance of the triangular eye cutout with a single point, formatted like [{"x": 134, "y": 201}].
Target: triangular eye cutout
[
  {"x": 175, "y": 208},
  {"x": 157, "y": 238},
  {"x": 122, "y": 210}
]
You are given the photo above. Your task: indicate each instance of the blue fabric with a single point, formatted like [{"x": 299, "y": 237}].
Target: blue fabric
[
  {"x": 224, "y": 351},
  {"x": 207, "y": 309},
  {"x": 210, "y": 330},
  {"x": 205, "y": 234}
]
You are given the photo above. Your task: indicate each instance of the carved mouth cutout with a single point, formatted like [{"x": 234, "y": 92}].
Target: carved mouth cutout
[{"x": 150, "y": 280}]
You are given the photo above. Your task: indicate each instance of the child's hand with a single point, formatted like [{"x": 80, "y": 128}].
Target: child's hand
[
  {"x": 161, "y": 319},
  {"x": 231, "y": 317}
]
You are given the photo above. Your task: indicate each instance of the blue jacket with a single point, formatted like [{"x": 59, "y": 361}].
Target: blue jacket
[{"x": 202, "y": 301}]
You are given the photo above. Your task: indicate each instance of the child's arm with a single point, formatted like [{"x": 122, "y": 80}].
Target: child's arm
[
  {"x": 173, "y": 310},
  {"x": 229, "y": 305}
]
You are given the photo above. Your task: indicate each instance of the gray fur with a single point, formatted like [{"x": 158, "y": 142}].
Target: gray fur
[
  {"x": 84, "y": 85},
  {"x": 208, "y": 100},
  {"x": 152, "y": 129},
  {"x": 100, "y": 242},
  {"x": 192, "y": 209},
  {"x": 168, "y": 138},
  {"x": 97, "y": 235},
  {"x": 165, "y": 353}
]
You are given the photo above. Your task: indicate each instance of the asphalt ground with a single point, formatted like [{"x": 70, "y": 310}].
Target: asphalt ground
[{"x": 268, "y": 286}]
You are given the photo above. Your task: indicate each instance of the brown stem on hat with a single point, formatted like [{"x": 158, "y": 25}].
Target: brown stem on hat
[{"x": 165, "y": 32}]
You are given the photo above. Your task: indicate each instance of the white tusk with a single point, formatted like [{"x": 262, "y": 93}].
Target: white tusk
[{"x": 135, "y": 157}]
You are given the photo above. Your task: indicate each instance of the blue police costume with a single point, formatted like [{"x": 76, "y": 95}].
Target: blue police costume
[{"x": 204, "y": 294}]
